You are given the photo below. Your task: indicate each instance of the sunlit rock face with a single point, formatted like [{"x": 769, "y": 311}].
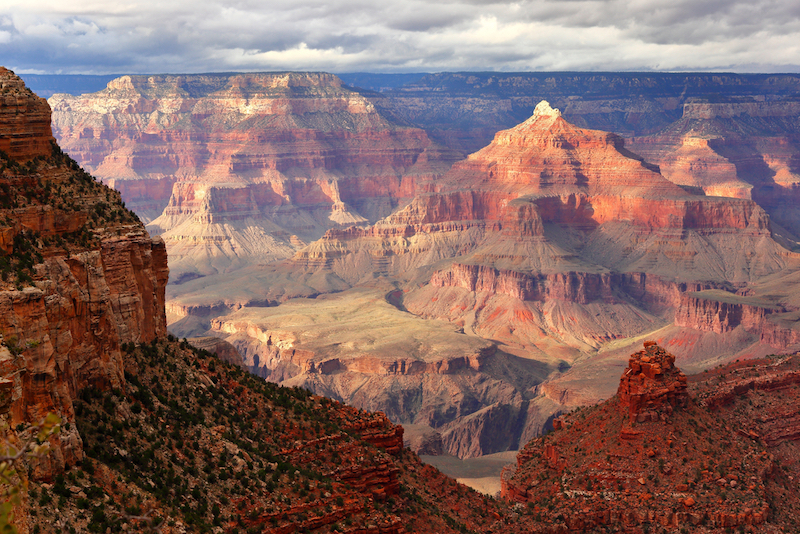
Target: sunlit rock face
[
  {"x": 507, "y": 290},
  {"x": 241, "y": 169},
  {"x": 737, "y": 149}
]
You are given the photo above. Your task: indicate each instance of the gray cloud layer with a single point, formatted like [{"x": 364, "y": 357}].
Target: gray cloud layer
[{"x": 97, "y": 36}]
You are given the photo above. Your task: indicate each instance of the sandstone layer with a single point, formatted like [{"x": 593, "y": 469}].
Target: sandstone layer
[
  {"x": 464, "y": 110},
  {"x": 554, "y": 245},
  {"x": 735, "y": 149},
  {"x": 25, "y": 122}
]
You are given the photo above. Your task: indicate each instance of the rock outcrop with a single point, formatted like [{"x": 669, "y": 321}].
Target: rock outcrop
[
  {"x": 609, "y": 467},
  {"x": 25, "y": 122},
  {"x": 651, "y": 387},
  {"x": 81, "y": 278},
  {"x": 734, "y": 149}
]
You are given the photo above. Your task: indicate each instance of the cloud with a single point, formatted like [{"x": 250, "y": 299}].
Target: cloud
[{"x": 139, "y": 36}]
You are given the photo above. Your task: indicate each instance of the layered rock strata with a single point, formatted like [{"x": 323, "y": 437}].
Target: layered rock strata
[
  {"x": 554, "y": 242},
  {"x": 464, "y": 110},
  {"x": 25, "y": 121},
  {"x": 550, "y": 212},
  {"x": 238, "y": 169},
  {"x": 734, "y": 149},
  {"x": 80, "y": 277}
]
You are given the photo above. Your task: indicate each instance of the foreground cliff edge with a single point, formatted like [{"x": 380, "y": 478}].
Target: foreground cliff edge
[
  {"x": 80, "y": 276},
  {"x": 661, "y": 454}
]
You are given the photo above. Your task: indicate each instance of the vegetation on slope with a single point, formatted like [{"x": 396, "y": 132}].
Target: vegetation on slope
[
  {"x": 72, "y": 207},
  {"x": 198, "y": 445}
]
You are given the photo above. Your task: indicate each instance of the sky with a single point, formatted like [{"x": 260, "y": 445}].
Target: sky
[{"x": 177, "y": 36}]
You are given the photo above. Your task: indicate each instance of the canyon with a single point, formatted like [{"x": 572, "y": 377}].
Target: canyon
[
  {"x": 496, "y": 297},
  {"x": 471, "y": 300},
  {"x": 84, "y": 338},
  {"x": 240, "y": 169}
]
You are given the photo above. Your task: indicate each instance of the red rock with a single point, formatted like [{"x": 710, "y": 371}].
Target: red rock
[
  {"x": 291, "y": 154},
  {"x": 652, "y": 383},
  {"x": 709, "y": 149},
  {"x": 24, "y": 120},
  {"x": 88, "y": 298}
]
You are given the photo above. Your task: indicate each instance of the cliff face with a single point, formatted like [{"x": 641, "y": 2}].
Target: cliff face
[
  {"x": 736, "y": 149},
  {"x": 555, "y": 243},
  {"x": 80, "y": 278},
  {"x": 25, "y": 120},
  {"x": 236, "y": 169}
]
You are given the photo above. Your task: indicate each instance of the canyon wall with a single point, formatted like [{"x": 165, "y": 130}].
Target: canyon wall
[
  {"x": 736, "y": 149},
  {"x": 554, "y": 242},
  {"x": 80, "y": 277},
  {"x": 239, "y": 169},
  {"x": 464, "y": 110}
]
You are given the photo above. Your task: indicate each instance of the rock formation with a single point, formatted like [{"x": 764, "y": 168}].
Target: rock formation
[
  {"x": 553, "y": 242},
  {"x": 25, "y": 121},
  {"x": 734, "y": 149},
  {"x": 83, "y": 335},
  {"x": 651, "y": 387},
  {"x": 239, "y": 169},
  {"x": 609, "y": 467},
  {"x": 464, "y": 110},
  {"x": 80, "y": 276}
]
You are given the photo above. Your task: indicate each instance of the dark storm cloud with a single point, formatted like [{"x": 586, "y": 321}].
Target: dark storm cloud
[{"x": 95, "y": 36}]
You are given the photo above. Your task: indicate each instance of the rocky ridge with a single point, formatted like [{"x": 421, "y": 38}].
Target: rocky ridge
[
  {"x": 734, "y": 149},
  {"x": 238, "y": 454}
]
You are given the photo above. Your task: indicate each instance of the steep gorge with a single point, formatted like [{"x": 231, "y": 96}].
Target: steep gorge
[
  {"x": 554, "y": 244},
  {"x": 554, "y": 248}
]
